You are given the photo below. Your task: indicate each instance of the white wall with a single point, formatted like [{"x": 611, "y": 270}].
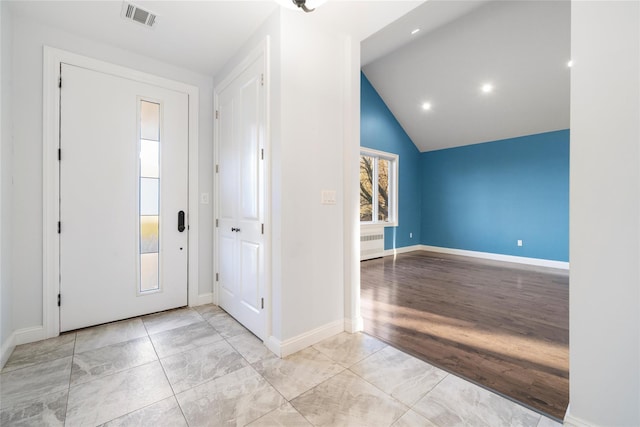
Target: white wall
[
  {"x": 605, "y": 214},
  {"x": 6, "y": 315},
  {"x": 312, "y": 159},
  {"x": 312, "y": 73},
  {"x": 28, "y": 40}
]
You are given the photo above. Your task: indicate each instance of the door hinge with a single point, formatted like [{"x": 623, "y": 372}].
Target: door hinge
[
  {"x": 217, "y": 114},
  {"x": 217, "y": 168},
  {"x": 59, "y": 226},
  {"x": 59, "y": 82},
  {"x": 262, "y": 79},
  {"x": 217, "y": 277},
  {"x": 262, "y": 154},
  {"x": 262, "y": 303},
  {"x": 262, "y": 228},
  {"x": 216, "y": 222},
  {"x": 58, "y": 300},
  {"x": 59, "y": 154}
]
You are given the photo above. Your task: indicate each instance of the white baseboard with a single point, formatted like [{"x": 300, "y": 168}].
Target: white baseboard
[
  {"x": 571, "y": 421},
  {"x": 203, "y": 299},
  {"x": 354, "y": 325},
  {"x": 27, "y": 335},
  {"x": 21, "y": 336},
  {"x": 7, "y": 349},
  {"x": 304, "y": 340},
  {"x": 402, "y": 250},
  {"x": 498, "y": 257}
]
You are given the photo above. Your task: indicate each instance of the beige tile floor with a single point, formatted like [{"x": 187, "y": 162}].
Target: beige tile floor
[{"x": 199, "y": 367}]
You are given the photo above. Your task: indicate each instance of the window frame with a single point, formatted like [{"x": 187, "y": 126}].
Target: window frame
[{"x": 394, "y": 167}]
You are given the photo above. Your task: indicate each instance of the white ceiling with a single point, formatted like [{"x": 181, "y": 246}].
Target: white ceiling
[
  {"x": 361, "y": 18},
  {"x": 521, "y": 47},
  {"x": 429, "y": 16},
  {"x": 200, "y": 36}
]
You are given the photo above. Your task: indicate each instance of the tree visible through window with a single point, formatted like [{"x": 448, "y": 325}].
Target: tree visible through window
[{"x": 377, "y": 187}]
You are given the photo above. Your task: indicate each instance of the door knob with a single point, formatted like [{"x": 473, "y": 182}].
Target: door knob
[{"x": 181, "y": 221}]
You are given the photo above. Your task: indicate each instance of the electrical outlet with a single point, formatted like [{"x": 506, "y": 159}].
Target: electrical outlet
[{"x": 519, "y": 242}]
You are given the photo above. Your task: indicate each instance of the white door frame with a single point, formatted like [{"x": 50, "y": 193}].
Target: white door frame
[
  {"x": 261, "y": 49},
  {"x": 51, "y": 173}
]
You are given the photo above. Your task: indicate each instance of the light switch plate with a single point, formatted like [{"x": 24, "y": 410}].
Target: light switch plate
[
  {"x": 328, "y": 197},
  {"x": 204, "y": 198}
]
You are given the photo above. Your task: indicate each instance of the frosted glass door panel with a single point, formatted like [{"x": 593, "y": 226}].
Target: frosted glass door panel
[
  {"x": 150, "y": 121},
  {"x": 149, "y": 196},
  {"x": 149, "y": 159},
  {"x": 149, "y": 234}
]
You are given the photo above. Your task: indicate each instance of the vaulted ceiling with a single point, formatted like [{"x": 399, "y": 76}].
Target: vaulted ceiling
[{"x": 520, "y": 48}]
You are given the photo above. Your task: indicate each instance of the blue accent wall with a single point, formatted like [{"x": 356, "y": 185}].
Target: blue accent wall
[
  {"x": 380, "y": 130},
  {"x": 484, "y": 197}
]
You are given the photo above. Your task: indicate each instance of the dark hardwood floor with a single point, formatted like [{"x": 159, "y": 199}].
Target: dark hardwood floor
[{"x": 500, "y": 325}]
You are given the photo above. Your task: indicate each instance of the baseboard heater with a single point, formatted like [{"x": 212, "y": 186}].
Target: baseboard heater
[{"x": 371, "y": 244}]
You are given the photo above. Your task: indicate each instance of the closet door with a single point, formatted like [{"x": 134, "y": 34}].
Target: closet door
[{"x": 241, "y": 249}]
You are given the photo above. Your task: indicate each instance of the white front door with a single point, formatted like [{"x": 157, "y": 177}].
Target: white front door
[
  {"x": 123, "y": 182},
  {"x": 241, "y": 255}
]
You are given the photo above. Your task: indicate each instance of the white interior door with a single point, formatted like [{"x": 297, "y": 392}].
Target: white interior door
[
  {"x": 241, "y": 198},
  {"x": 123, "y": 182}
]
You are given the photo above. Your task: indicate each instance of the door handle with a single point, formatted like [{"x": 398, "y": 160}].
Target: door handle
[
  {"x": 235, "y": 229},
  {"x": 181, "y": 221}
]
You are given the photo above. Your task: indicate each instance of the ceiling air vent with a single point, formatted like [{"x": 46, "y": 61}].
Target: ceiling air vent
[{"x": 134, "y": 13}]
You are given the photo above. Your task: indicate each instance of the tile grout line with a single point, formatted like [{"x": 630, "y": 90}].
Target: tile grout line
[
  {"x": 73, "y": 356},
  {"x": 175, "y": 397},
  {"x": 301, "y": 414},
  {"x": 274, "y": 388},
  {"x": 163, "y": 370},
  {"x": 409, "y": 407},
  {"x": 4, "y": 370},
  {"x": 285, "y": 399},
  {"x": 249, "y": 364},
  {"x": 125, "y": 370}
]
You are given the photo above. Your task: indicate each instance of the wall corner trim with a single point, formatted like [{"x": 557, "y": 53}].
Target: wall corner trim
[
  {"x": 498, "y": 257},
  {"x": 304, "y": 340},
  {"x": 274, "y": 344},
  {"x": 7, "y": 349},
  {"x": 353, "y": 325}
]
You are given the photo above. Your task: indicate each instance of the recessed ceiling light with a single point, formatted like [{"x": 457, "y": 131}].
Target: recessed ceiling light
[
  {"x": 487, "y": 88},
  {"x": 570, "y": 63},
  {"x": 426, "y": 106},
  {"x": 416, "y": 31}
]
